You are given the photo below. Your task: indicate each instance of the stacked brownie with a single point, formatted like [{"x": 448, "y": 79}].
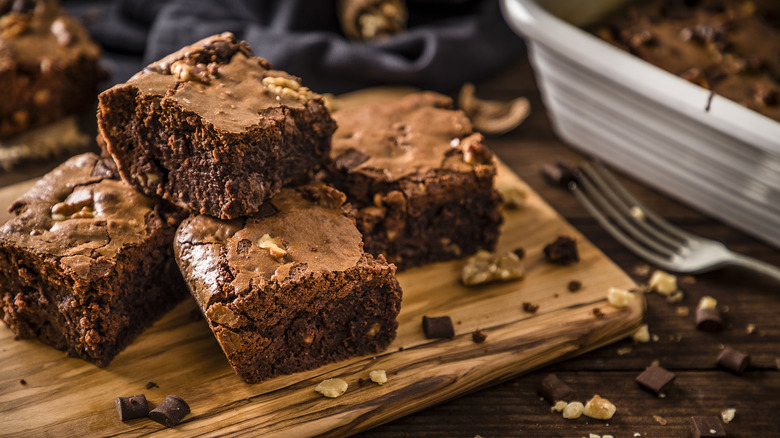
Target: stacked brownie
[
  {"x": 421, "y": 178},
  {"x": 279, "y": 273},
  {"x": 48, "y": 66}
]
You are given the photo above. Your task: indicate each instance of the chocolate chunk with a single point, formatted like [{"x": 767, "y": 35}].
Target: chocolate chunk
[
  {"x": 563, "y": 251},
  {"x": 554, "y": 389},
  {"x": 438, "y": 327},
  {"x": 558, "y": 174},
  {"x": 574, "y": 285},
  {"x": 22, "y": 382},
  {"x": 130, "y": 408},
  {"x": 530, "y": 307},
  {"x": 479, "y": 336},
  {"x": 151, "y": 385},
  {"x": 707, "y": 427},
  {"x": 655, "y": 379},
  {"x": 733, "y": 360},
  {"x": 170, "y": 412},
  {"x": 709, "y": 320}
]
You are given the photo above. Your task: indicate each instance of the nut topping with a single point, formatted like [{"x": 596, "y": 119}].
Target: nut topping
[
  {"x": 274, "y": 246},
  {"x": 81, "y": 210},
  {"x": 287, "y": 87},
  {"x": 484, "y": 267}
]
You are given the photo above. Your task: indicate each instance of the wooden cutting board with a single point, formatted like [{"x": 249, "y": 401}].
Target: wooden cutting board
[{"x": 63, "y": 396}]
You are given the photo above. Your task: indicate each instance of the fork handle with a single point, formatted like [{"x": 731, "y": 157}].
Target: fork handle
[{"x": 756, "y": 265}]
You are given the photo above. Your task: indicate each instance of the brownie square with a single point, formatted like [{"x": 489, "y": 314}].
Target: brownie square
[
  {"x": 48, "y": 66},
  {"x": 420, "y": 178},
  {"x": 290, "y": 288},
  {"x": 214, "y": 129},
  {"x": 87, "y": 263}
]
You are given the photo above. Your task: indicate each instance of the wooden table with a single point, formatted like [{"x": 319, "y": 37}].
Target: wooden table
[{"x": 513, "y": 408}]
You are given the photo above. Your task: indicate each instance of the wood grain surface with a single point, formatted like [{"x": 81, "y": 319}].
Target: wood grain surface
[{"x": 63, "y": 396}]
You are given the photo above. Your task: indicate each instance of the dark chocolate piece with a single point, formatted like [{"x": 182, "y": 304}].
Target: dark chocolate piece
[
  {"x": 709, "y": 320},
  {"x": 420, "y": 177},
  {"x": 734, "y": 360},
  {"x": 213, "y": 117},
  {"x": 438, "y": 327},
  {"x": 558, "y": 174},
  {"x": 130, "y": 408},
  {"x": 563, "y": 251},
  {"x": 303, "y": 293},
  {"x": 151, "y": 385},
  {"x": 574, "y": 285},
  {"x": 656, "y": 379},
  {"x": 87, "y": 262},
  {"x": 170, "y": 412},
  {"x": 554, "y": 389},
  {"x": 707, "y": 427},
  {"x": 478, "y": 336}
]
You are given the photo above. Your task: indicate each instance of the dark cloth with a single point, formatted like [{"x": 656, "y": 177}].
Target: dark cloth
[{"x": 448, "y": 42}]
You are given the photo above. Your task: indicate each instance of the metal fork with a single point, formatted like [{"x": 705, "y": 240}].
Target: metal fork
[{"x": 647, "y": 234}]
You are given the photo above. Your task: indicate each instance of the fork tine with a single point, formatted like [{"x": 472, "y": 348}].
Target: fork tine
[
  {"x": 621, "y": 237},
  {"x": 625, "y": 203},
  {"x": 658, "y": 221},
  {"x": 606, "y": 199}
]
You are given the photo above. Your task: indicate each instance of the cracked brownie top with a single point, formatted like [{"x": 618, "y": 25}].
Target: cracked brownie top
[{"x": 78, "y": 213}]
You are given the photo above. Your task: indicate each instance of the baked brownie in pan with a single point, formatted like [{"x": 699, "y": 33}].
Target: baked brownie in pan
[
  {"x": 213, "y": 129},
  {"x": 420, "y": 177},
  {"x": 87, "y": 263},
  {"x": 48, "y": 66},
  {"x": 290, "y": 288}
]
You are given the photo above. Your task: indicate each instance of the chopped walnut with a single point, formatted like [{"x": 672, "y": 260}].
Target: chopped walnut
[
  {"x": 573, "y": 410},
  {"x": 599, "y": 408},
  {"x": 727, "y": 415},
  {"x": 484, "y": 267},
  {"x": 707, "y": 302},
  {"x": 493, "y": 116},
  {"x": 274, "y": 245},
  {"x": 559, "y": 406},
  {"x": 663, "y": 283},
  {"x": 513, "y": 197},
  {"x": 474, "y": 150},
  {"x": 287, "y": 87},
  {"x": 642, "y": 334},
  {"x": 332, "y": 388},
  {"x": 619, "y": 298},
  {"x": 13, "y": 24},
  {"x": 378, "y": 376},
  {"x": 84, "y": 209}
]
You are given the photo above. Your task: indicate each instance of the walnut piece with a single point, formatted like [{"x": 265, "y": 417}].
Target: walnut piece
[
  {"x": 485, "y": 266},
  {"x": 274, "y": 246},
  {"x": 663, "y": 283},
  {"x": 619, "y": 298},
  {"x": 642, "y": 334},
  {"x": 707, "y": 302},
  {"x": 573, "y": 410},
  {"x": 727, "y": 415},
  {"x": 559, "y": 406},
  {"x": 513, "y": 197},
  {"x": 378, "y": 376},
  {"x": 332, "y": 388},
  {"x": 84, "y": 209},
  {"x": 493, "y": 116},
  {"x": 599, "y": 408},
  {"x": 287, "y": 87}
]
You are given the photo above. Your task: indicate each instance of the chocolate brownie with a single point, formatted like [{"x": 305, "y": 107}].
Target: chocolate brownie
[
  {"x": 48, "y": 65},
  {"x": 213, "y": 129},
  {"x": 87, "y": 263},
  {"x": 420, "y": 177},
  {"x": 728, "y": 46},
  {"x": 289, "y": 288}
]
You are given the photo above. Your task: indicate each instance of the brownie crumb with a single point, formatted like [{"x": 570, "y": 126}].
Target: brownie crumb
[
  {"x": 574, "y": 285},
  {"x": 530, "y": 307},
  {"x": 519, "y": 252},
  {"x": 598, "y": 313},
  {"x": 22, "y": 382},
  {"x": 151, "y": 385},
  {"x": 563, "y": 251},
  {"x": 479, "y": 336}
]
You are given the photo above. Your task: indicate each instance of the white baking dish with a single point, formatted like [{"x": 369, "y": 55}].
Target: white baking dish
[{"x": 649, "y": 123}]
